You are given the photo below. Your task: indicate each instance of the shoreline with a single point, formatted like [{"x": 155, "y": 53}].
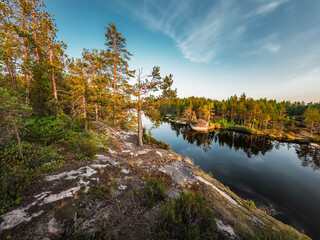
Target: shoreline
[{"x": 292, "y": 139}]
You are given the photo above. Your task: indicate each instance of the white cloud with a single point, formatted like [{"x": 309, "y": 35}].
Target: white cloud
[
  {"x": 271, "y": 47},
  {"x": 266, "y": 8},
  {"x": 264, "y": 45},
  {"x": 200, "y": 37}
]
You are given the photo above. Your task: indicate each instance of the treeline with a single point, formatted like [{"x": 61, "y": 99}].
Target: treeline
[
  {"x": 37, "y": 78},
  {"x": 34, "y": 65},
  {"x": 244, "y": 111}
]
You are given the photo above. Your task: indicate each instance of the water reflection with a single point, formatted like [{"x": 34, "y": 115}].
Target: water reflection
[
  {"x": 309, "y": 156},
  {"x": 250, "y": 144}
]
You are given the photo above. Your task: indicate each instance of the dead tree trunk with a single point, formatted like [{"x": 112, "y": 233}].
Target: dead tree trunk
[{"x": 140, "y": 129}]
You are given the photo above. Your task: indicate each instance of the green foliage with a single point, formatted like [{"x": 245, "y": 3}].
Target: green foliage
[
  {"x": 12, "y": 115},
  {"x": 102, "y": 191},
  {"x": 101, "y": 140},
  {"x": 48, "y": 142},
  {"x": 148, "y": 139},
  {"x": 56, "y": 130},
  {"x": 167, "y": 92},
  {"x": 153, "y": 191},
  {"x": 249, "y": 204},
  {"x": 17, "y": 172},
  {"x": 244, "y": 114},
  {"x": 186, "y": 217},
  {"x": 316, "y": 138},
  {"x": 45, "y": 130},
  {"x": 312, "y": 119},
  {"x": 82, "y": 145}
]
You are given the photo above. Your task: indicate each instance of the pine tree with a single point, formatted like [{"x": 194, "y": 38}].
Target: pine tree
[
  {"x": 118, "y": 60},
  {"x": 167, "y": 92}
]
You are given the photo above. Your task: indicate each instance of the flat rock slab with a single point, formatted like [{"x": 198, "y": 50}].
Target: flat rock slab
[
  {"x": 179, "y": 171},
  {"x": 58, "y": 187}
]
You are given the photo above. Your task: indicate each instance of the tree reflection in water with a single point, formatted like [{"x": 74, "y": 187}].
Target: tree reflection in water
[
  {"x": 309, "y": 156},
  {"x": 250, "y": 144}
]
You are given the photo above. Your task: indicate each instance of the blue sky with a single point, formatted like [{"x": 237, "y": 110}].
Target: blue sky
[{"x": 213, "y": 48}]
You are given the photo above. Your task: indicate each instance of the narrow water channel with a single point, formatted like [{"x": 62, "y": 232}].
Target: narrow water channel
[{"x": 283, "y": 178}]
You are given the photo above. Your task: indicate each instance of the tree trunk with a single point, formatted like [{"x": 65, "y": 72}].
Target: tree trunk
[
  {"x": 114, "y": 82},
  {"x": 209, "y": 112},
  {"x": 140, "y": 129},
  {"x": 85, "y": 112},
  {"x": 95, "y": 97},
  {"x": 34, "y": 32},
  {"x": 55, "y": 94},
  {"x": 96, "y": 111},
  {"x": 26, "y": 61},
  {"x": 12, "y": 75}
]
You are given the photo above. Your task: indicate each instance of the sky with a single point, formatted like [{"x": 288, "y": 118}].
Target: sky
[{"x": 213, "y": 48}]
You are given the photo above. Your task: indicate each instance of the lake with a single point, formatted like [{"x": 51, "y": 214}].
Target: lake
[{"x": 283, "y": 178}]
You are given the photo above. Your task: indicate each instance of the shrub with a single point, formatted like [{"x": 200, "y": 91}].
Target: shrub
[
  {"x": 16, "y": 172},
  {"x": 186, "y": 217},
  {"x": 44, "y": 129},
  {"x": 82, "y": 145},
  {"x": 153, "y": 191},
  {"x": 101, "y": 191},
  {"x": 249, "y": 204}
]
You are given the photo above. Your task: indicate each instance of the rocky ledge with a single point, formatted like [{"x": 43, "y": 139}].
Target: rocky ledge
[{"x": 100, "y": 198}]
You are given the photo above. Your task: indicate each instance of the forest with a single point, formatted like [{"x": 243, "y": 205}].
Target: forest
[
  {"x": 246, "y": 114},
  {"x": 49, "y": 101}
]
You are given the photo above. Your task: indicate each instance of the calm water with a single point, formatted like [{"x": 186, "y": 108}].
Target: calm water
[{"x": 284, "y": 177}]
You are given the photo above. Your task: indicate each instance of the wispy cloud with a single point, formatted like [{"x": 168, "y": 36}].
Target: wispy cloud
[
  {"x": 200, "y": 29},
  {"x": 266, "y": 8},
  {"x": 271, "y": 47},
  {"x": 264, "y": 45}
]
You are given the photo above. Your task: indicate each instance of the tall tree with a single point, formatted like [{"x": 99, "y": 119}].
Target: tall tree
[
  {"x": 119, "y": 57},
  {"x": 77, "y": 80}
]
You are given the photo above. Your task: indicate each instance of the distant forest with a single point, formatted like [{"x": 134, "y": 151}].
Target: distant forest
[{"x": 243, "y": 111}]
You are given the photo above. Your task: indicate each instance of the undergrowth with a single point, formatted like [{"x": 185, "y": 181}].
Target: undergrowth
[
  {"x": 47, "y": 144},
  {"x": 187, "y": 217},
  {"x": 153, "y": 191}
]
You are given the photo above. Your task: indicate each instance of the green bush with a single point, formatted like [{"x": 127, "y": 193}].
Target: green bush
[
  {"x": 153, "y": 191},
  {"x": 186, "y": 217},
  {"x": 249, "y": 204},
  {"x": 45, "y": 130},
  {"x": 102, "y": 191},
  {"x": 16, "y": 172},
  {"x": 82, "y": 145}
]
